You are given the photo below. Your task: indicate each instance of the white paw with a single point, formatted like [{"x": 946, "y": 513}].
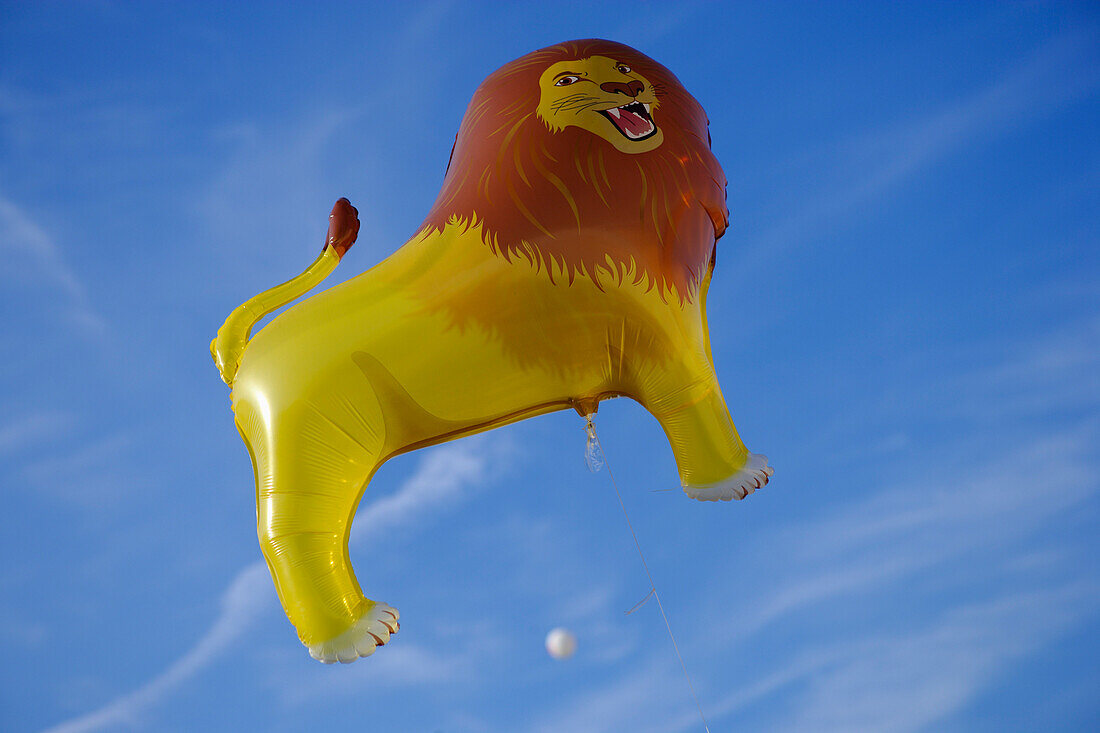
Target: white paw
[
  {"x": 753, "y": 475},
  {"x": 370, "y": 632}
]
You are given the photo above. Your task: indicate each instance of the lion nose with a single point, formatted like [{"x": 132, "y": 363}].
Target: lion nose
[{"x": 631, "y": 89}]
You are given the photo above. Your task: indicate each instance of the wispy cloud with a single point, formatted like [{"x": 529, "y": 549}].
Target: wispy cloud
[
  {"x": 636, "y": 701},
  {"x": 1000, "y": 510},
  {"x": 242, "y": 601},
  {"x": 31, "y": 253},
  {"x": 90, "y": 475},
  {"x": 641, "y": 30},
  {"x": 33, "y": 429},
  {"x": 443, "y": 475},
  {"x": 1059, "y": 371},
  {"x": 277, "y": 185},
  {"x": 22, "y": 237},
  {"x": 548, "y": 564},
  {"x": 905, "y": 682},
  {"x": 1001, "y": 505},
  {"x": 930, "y": 521},
  {"x": 272, "y": 178},
  {"x": 875, "y": 679},
  {"x": 1057, "y": 74},
  {"x": 989, "y": 496},
  {"x": 402, "y": 665}
]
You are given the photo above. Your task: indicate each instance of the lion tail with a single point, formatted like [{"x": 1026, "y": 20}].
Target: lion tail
[{"x": 229, "y": 345}]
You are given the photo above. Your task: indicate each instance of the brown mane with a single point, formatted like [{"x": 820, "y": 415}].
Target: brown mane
[{"x": 569, "y": 201}]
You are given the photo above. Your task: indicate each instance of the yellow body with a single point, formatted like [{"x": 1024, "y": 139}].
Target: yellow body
[{"x": 378, "y": 366}]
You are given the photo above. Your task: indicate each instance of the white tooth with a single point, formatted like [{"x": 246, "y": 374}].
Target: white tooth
[
  {"x": 646, "y": 107},
  {"x": 614, "y": 112}
]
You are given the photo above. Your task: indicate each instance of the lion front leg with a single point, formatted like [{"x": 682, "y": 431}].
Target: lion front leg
[{"x": 713, "y": 462}]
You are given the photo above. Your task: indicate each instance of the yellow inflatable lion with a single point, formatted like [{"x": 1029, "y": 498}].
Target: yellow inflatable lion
[{"x": 565, "y": 261}]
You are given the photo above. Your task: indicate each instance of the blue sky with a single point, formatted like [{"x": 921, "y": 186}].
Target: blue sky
[{"x": 905, "y": 318}]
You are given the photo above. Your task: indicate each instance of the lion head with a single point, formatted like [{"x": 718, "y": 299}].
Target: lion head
[{"x": 589, "y": 158}]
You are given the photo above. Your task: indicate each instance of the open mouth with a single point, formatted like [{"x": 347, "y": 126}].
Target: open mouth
[{"x": 632, "y": 120}]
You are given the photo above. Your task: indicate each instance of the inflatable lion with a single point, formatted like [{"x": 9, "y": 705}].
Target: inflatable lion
[{"x": 565, "y": 261}]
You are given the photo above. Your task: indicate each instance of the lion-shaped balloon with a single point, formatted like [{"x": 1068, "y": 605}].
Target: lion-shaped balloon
[{"x": 565, "y": 261}]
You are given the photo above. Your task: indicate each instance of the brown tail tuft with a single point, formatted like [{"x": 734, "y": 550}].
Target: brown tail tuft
[{"x": 343, "y": 227}]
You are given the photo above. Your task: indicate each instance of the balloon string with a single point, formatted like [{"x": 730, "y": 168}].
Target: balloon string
[
  {"x": 591, "y": 429},
  {"x": 638, "y": 605}
]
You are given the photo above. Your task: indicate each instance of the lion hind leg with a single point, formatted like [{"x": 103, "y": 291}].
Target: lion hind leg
[
  {"x": 372, "y": 630},
  {"x": 311, "y": 465}
]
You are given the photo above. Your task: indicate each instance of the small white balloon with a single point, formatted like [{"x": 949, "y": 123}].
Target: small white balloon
[{"x": 561, "y": 643}]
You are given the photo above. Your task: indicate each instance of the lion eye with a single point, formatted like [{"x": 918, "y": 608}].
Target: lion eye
[
  {"x": 623, "y": 69},
  {"x": 566, "y": 81}
]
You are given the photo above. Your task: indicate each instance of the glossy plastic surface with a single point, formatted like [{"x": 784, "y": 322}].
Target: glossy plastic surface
[{"x": 566, "y": 260}]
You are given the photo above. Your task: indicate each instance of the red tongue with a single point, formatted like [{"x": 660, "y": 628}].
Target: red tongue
[{"x": 632, "y": 123}]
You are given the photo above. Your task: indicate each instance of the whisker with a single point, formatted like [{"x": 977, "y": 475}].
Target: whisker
[
  {"x": 570, "y": 103},
  {"x": 577, "y": 109},
  {"x": 570, "y": 98},
  {"x": 578, "y": 95},
  {"x": 582, "y": 101}
]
